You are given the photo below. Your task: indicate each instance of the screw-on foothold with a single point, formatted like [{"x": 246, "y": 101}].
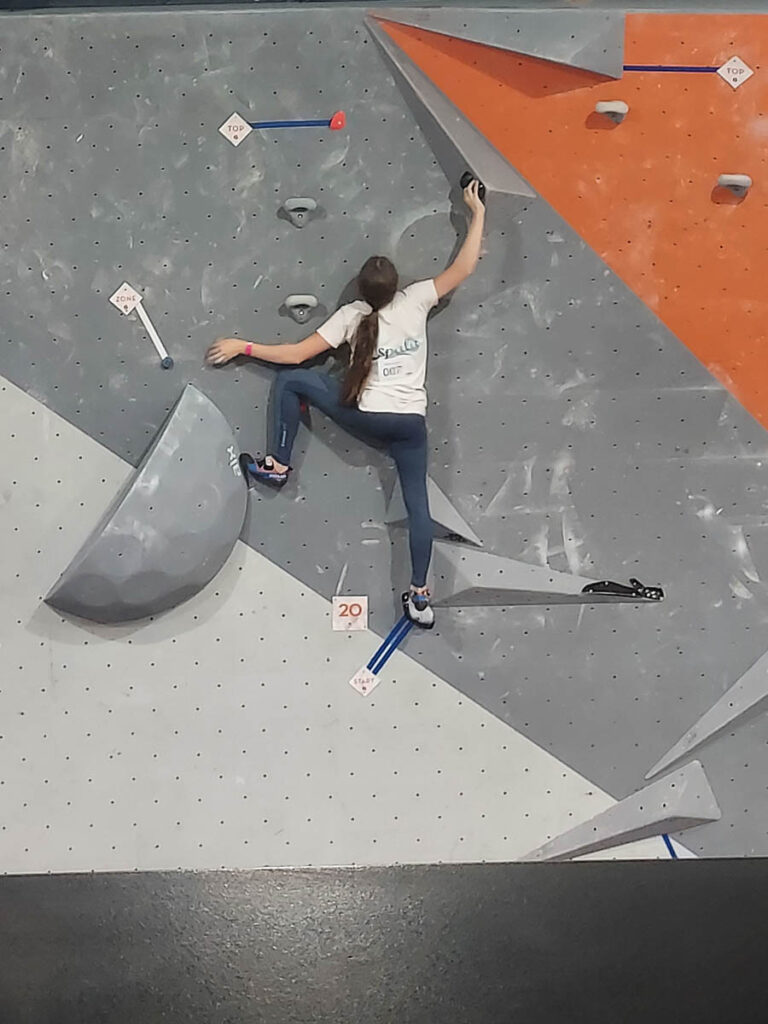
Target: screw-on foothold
[
  {"x": 300, "y": 307},
  {"x": 739, "y": 184},
  {"x": 299, "y": 210},
  {"x": 616, "y": 110},
  {"x": 167, "y": 363}
]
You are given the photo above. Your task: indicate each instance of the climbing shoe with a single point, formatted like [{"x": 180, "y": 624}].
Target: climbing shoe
[
  {"x": 262, "y": 469},
  {"x": 418, "y": 609}
]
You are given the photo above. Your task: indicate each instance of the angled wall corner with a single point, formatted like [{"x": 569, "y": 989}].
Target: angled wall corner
[
  {"x": 457, "y": 145},
  {"x": 444, "y": 514},
  {"x": 676, "y": 802},
  {"x": 467, "y": 578},
  {"x": 169, "y": 530},
  {"x": 589, "y": 40},
  {"x": 747, "y": 696}
]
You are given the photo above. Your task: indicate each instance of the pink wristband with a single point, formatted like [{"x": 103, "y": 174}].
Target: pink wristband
[{"x": 248, "y": 348}]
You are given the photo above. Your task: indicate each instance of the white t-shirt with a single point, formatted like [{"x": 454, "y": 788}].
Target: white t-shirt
[{"x": 396, "y": 380}]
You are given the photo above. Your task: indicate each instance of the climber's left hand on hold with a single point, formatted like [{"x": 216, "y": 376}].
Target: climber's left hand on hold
[{"x": 224, "y": 349}]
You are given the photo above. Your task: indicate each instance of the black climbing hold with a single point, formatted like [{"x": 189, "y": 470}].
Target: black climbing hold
[
  {"x": 167, "y": 363},
  {"x": 467, "y": 177},
  {"x": 245, "y": 460},
  {"x": 635, "y": 589}
]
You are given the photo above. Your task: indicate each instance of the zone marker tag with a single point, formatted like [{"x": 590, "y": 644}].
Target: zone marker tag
[{"x": 126, "y": 298}]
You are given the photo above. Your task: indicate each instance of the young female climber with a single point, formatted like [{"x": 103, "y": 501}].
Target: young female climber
[{"x": 381, "y": 397}]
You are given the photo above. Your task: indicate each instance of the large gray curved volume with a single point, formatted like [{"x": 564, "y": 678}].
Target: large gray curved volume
[{"x": 170, "y": 529}]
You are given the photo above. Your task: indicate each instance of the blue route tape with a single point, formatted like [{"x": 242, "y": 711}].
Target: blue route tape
[
  {"x": 669, "y": 846},
  {"x": 396, "y": 635},
  {"x": 289, "y": 124},
  {"x": 680, "y": 68}
]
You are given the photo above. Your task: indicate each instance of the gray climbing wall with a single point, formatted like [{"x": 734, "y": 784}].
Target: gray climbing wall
[{"x": 560, "y": 408}]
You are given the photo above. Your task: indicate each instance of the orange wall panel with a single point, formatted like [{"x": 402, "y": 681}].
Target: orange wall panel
[{"x": 641, "y": 193}]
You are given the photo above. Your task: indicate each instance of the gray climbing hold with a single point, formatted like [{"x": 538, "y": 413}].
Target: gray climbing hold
[
  {"x": 299, "y": 210},
  {"x": 465, "y": 578},
  {"x": 747, "y": 696},
  {"x": 300, "y": 307},
  {"x": 739, "y": 184},
  {"x": 590, "y": 40},
  {"x": 456, "y": 143},
  {"x": 676, "y": 802},
  {"x": 614, "y": 110},
  {"x": 444, "y": 514},
  {"x": 170, "y": 529}
]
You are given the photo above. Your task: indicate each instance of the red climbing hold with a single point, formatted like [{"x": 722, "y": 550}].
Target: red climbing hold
[{"x": 338, "y": 120}]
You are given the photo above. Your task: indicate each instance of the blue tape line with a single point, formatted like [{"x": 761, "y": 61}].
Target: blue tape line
[
  {"x": 670, "y": 847},
  {"x": 289, "y": 124},
  {"x": 686, "y": 68},
  {"x": 398, "y": 633},
  {"x": 403, "y": 634},
  {"x": 385, "y": 643}
]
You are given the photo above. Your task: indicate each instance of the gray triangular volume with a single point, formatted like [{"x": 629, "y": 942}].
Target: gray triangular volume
[
  {"x": 457, "y": 144},
  {"x": 747, "y": 696},
  {"x": 464, "y": 578},
  {"x": 590, "y": 40},
  {"x": 171, "y": 527},
  {"x": 676, "y": 802},
  {"x": 442, "y": 511}
]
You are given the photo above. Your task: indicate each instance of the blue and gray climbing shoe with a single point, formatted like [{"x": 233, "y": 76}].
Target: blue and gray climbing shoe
[
  {"x": 418, "y": 609},
  {"x": 262, "y": 469}
]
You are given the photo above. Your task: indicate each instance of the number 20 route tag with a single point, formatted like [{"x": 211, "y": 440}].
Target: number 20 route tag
[{"x": 350, "y": 613}]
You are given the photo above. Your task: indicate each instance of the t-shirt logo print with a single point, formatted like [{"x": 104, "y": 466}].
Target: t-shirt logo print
[{"x": 409, "y": 346}]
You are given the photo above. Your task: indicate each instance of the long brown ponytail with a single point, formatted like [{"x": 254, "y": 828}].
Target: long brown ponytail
[{"x": 377, "y": 282}]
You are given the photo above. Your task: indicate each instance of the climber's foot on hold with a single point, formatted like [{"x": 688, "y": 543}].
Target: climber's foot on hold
[
  {"x": 266, "y": 470},
  {"x": 417, "y": 607}
]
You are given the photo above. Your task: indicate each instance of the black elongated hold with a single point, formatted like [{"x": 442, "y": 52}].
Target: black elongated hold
[
  {"x": 466, "y": 178},
  {"x": 635, "y": 589}
]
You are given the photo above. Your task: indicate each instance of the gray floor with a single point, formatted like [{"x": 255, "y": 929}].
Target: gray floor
[{"x": 567, "y": 424}]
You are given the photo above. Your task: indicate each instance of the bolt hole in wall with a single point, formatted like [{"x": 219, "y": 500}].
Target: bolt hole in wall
[{"x": 561, "y": 370}]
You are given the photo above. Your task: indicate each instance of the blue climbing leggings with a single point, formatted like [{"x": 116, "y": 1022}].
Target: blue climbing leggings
[{"x": 403, "y": 434}]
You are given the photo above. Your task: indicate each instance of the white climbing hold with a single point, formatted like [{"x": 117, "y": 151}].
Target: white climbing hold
[
  {"x": 616, "y": 110},
  {"x": 739, "y": 184},
  {"x": 300, "y": 307}
]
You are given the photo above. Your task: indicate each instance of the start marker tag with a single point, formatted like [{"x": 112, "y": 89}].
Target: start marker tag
[
  {"x": 364, "y": 681},
  {"x": 350, "y": 613}
]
